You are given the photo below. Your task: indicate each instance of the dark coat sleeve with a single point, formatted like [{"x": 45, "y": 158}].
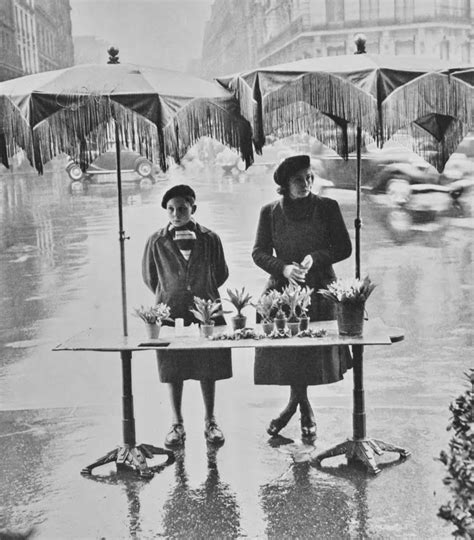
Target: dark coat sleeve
[
  {"x": 339, "y": 242},
  {"x": 220, "y": 269},
  {"x": 149, "y": 273},
  {"x": 262, "y": 252}
]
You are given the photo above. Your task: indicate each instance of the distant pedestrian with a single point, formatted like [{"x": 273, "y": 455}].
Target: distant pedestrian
[
  {"x": 299, "y": 237},
  {"x": 181, "y": 261}
]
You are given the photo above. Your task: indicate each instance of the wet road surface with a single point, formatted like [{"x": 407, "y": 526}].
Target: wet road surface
[{"x": 59, "y": 274}]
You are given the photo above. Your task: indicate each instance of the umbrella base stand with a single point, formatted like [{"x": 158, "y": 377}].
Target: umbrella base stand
[
  {"x": 131, "y": 458},
  {"x": 362, "y": 452}
]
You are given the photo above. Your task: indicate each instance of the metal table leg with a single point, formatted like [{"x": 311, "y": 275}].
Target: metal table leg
[
  {"x": 129, "y": 456},
  {"x": 359, "y": 449}
]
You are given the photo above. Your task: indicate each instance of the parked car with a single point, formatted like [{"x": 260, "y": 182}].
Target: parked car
[{"x": 102, "y": 170}]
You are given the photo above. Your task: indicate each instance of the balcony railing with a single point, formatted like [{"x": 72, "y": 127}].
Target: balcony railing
[{"x": 443, "y": 15}]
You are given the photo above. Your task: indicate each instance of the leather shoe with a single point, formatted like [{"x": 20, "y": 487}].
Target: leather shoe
[
  {"x": 176, "y": 436},
  {"x": 213, "y": 433}
]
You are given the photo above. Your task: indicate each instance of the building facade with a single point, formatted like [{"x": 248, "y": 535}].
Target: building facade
[
  {"x": 294, "y": 29},
  {"x": 10, "y": 61},
  {"x": 35, "y": 35},
  {"x": 232, "y": 37}
]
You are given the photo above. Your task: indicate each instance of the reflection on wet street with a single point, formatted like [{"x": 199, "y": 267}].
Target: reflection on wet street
[{"x": 60, "y": 274}]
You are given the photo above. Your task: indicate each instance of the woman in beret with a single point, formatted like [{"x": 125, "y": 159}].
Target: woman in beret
[{"x": 299, "y": 237}]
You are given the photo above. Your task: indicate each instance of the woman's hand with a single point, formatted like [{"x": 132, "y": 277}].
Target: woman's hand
[{"x": 294, "y": 273}]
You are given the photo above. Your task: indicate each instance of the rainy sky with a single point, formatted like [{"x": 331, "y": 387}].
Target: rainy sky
[{"x": 162, "y": 33}]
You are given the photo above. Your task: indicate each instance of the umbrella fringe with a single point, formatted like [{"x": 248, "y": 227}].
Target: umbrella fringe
[
  {"x": 17, "y": 133},
  {"x": 84, "y": 131},
  {"x": 436, "y": 152},
  {"x": 200, "y": 118},
  {"x": 331, "y": 96},
  {"x": 433, "y": 93}
]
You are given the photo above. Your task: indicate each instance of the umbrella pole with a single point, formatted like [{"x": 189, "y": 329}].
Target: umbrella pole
[
  {"x": 122, "y": 237},
  {"x": 357, "y": 221}
]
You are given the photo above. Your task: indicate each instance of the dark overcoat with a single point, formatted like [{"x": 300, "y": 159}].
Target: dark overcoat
[
  {"x": 286, "y": 233},
  {"x": 176, "y": 281}
]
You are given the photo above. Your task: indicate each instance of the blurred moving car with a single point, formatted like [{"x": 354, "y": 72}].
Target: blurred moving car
[
  {"x": 134, "y": 167},
  {"x": 412, "y": 196}
]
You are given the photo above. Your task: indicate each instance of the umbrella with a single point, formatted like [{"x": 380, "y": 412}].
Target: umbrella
[
  {"x": 350, "y": 100},
  {"x": 345, "y": 102},
  {"x": 80, "y": 110}
]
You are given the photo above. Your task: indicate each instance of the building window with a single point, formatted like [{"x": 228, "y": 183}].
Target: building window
[
  {"x": 444, "y": 50},
  {"x": 334, "y": 11},
  {"x": 466, "y": 52},
  {"x": 404, "y": 10},
  {"x": 369, "y": 10},
  {"x": 336, "y": 50},
  {"x": 405, "y": 47}
]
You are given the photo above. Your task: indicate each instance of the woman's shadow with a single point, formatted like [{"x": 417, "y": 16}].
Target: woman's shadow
[{"x": 208, "y": 511}]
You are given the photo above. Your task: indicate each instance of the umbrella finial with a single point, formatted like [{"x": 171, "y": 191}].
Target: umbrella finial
[
  {"x": 360, "y": 40},
  {"x": 113, "y": 55}
]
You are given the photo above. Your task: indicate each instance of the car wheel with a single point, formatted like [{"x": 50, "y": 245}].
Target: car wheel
[
  {"x": 143, "y": 167},
  {"x": 399, "y": 224},
  {"x": 75, "y": 172}
]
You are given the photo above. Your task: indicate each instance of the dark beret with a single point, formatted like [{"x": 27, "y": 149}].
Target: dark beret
[
  {"x": 290, "y": 166},
  {"x": 182, "y": 190}
]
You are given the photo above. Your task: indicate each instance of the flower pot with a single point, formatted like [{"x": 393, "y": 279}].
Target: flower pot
[
  {"x": 207, "y": 330},
  {"x": 350, "y": 318},
  {"x": 267, "y": 328},
  {"x": 294, "y": 327},
  {"x": 239, "y": 322},
  {"x": 280, "y": 323},
  {"x": 304, "y": 323},
  {"x": 153, "y": 330}
]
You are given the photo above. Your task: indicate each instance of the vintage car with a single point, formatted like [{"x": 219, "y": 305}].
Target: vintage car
[
  {"x": 410, "y": 197},
  {"x": 134, "y": 167}
]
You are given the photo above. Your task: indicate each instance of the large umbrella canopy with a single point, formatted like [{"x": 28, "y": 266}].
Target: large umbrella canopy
[
  {"x": 81, "y": 110},
  {"x": 329, "y": 97},
  {"x": 346, "y": 101},
  {"x": 159, "y": 113}
]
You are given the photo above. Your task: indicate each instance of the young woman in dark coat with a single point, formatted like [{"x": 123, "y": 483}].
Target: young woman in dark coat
[{"x": 299, "y": 237}]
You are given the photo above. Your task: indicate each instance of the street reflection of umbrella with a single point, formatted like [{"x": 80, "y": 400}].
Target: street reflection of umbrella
[
  {"x": 81, "y": 110},
  {"x": 347, "y": 100}
]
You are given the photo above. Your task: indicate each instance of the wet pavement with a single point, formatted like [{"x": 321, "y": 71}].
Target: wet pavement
[{"x": 59, "y": 274}]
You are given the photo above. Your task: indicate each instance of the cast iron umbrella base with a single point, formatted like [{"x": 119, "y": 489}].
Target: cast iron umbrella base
[
  {"x": 359, "y": 449},
  {"x": 129, "y": 456}
]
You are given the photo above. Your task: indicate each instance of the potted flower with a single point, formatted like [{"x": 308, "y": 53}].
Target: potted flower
[
  {"x": 205, "y": 312},
  {"x": 280, "y": 317},
  {"x": 240, "y": 300},
  {"x": 290, "y": 298},
  {"x": 350, "y": 297},
  {"x": 304, "y": 303},
  {"x": 265, "y": 306},
  {"x": 153, "y": 317}
]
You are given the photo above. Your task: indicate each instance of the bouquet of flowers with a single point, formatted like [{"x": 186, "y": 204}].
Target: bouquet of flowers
[
  {"x": 206, "y": 310},
  {"x": 265, "y": 305},
  {"x": 349, "y": 291},
  {"x": 153, "y": 314}
]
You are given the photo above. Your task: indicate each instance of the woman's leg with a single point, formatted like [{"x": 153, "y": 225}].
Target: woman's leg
[
  {"x": 286, "y": 414},
  {"x": 308, "y": 424},
  {"x": 212, "y": 431}
]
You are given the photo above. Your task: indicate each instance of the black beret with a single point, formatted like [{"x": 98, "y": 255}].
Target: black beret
[
  {"x": 290, "y": 166},
  {"x": 181, "y": 190}
]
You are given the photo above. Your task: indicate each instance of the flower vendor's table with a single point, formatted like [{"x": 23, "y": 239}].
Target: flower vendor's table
[{"x": 359, "y": 448}]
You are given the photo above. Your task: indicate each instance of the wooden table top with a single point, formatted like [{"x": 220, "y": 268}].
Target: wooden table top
[{"x": 108, "y": 339}]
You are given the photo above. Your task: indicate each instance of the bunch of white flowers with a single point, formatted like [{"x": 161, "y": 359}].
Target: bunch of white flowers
[
  {"x": 153, "y": 314},
  {"x": 349, "y": 290}
]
